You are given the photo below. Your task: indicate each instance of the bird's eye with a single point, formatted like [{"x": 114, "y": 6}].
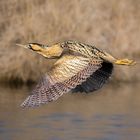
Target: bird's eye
[{"x": 30, "y": 46}]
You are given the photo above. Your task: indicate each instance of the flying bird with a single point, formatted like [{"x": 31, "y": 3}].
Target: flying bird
[{"x": 79, "y": 68}]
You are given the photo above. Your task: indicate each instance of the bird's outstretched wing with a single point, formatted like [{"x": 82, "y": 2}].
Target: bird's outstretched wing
[
  {"x": 67, "y": 73},
  {"x": 96, "y": 80}
]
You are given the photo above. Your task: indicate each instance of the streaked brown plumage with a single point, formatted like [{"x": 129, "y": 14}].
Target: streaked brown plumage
[{"x": 80, "y": 67}]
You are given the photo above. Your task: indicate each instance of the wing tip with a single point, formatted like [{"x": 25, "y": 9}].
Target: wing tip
[
  {"x": 32, "y": 102},
  {"x": 29, "y": 103}
]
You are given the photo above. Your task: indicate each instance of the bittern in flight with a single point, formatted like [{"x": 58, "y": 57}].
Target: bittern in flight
[{"x": 80, "y": 67}]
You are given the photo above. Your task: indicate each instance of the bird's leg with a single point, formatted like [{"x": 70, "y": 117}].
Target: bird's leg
[
  {"x": 116, "y": 61},
  {"x": 125, "y": 62}
]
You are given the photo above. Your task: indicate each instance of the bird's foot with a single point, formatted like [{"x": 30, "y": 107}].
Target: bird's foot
[{"x": 125, "y": 62}]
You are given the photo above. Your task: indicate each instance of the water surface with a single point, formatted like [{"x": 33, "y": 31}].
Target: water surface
[{"x": 112, "y": 113}]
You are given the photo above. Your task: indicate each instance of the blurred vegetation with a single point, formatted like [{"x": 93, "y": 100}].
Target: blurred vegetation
[{"x": 112, "y": 25}]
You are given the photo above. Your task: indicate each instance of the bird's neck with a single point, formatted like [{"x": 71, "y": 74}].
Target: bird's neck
[{"x": 51, "y": 51}]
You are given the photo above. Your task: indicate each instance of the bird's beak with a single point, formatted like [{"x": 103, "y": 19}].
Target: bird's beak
[{"x": 24, "y": 46}]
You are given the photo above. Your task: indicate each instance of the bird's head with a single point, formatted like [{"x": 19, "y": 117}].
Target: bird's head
[
  {"x": 46, "y": 51},
  {"x": 39, "y": 48},
  {"x": 33, "y": 46}
]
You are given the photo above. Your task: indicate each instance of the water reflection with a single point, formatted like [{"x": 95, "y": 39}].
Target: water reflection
[{"x": 110, "y": 114}]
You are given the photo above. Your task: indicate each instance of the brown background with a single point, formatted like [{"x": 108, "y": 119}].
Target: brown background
[{"x": 113, "y": 25}]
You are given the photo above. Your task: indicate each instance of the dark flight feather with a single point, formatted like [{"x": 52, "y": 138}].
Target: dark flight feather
[{"x": 96, "y": 80}]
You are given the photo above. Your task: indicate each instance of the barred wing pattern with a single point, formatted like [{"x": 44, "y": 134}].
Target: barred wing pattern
[
  {"x": 96, "y": 80},
  {"x": 59, "y": 81}
]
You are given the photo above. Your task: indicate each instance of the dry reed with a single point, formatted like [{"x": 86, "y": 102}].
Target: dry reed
[{"x": 112, "y": 25}]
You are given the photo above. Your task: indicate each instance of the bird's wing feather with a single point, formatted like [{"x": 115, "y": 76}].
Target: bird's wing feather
[
  {"x": 96, "y": 80},
  {"x": 67, "y": 73}
]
